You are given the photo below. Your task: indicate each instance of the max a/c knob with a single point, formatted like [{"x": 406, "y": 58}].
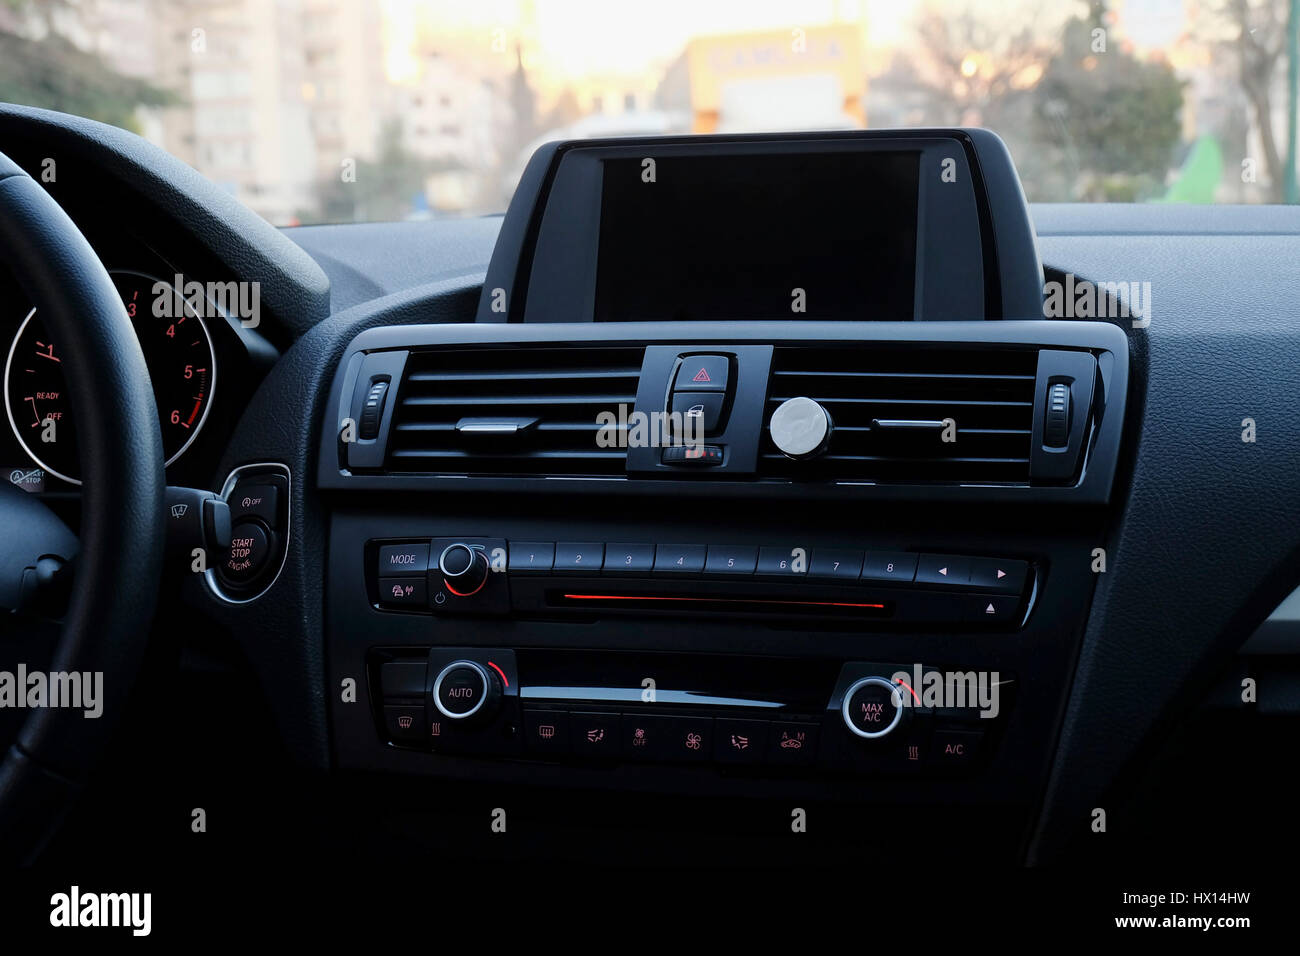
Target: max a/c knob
[
  {"x": 800, "y": 428},
  {"x": 464, "y": 569},
  {"x": 873, "y": 708}
]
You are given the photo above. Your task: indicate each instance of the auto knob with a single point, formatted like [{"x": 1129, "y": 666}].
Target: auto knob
[
  {"x": 800, "y": 428},
  {"x": 466, "y": 691},
  {"x": 874, "y": 707},
  {"x": 464, "y": 569}
]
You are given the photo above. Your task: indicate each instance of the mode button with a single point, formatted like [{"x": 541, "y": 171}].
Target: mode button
[{"x": 398, "y": 560}]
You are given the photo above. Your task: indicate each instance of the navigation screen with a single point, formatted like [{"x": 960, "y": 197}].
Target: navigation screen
[{"x": 823, "y": 236}]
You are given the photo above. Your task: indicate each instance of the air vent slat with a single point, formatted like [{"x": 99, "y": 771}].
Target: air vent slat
[
  {"x": 460, "y": 378},
  {"x": 515, "y": 401},
  {"x": 554, "y": 394},
  {"x": 986, "y": 394}
]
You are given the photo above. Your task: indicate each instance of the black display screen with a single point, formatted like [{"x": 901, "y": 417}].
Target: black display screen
[{"x": 734, "y": 237}]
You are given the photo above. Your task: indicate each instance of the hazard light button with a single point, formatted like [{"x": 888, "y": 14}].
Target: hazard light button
[{"x": 702, "y": 373}]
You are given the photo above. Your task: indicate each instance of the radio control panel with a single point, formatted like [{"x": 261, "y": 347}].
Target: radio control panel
[{"x": 476, "y": 575}]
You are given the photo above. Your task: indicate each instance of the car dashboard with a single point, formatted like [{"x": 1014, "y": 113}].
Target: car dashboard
[{"x": 462, "y": 600}]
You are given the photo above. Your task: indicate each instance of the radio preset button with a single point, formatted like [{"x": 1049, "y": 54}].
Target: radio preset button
[
  {"x": 897, "y": 567},
  {"x": 629, "y": 558},
  {"x": 783, "y": 562},
  {"x": 583, "y": 558},
  {"x": 836, "y": 565},
  {"x": 730, "y": 559},
  {"x": 531, "y": 557},
  {"x": 679, "y": 558}
]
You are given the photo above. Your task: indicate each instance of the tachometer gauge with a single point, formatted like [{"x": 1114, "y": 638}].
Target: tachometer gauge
[{"x": 182, "y": 367}]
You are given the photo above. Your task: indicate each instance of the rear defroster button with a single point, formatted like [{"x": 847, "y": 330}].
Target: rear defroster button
[{"x": 249, "y": 550}]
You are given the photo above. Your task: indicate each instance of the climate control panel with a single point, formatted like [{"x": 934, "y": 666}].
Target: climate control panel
[{"x": 755, "y": 714}]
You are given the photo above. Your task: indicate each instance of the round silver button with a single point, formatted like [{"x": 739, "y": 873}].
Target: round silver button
[
  {"x": 870, "y": 721},
  {"x": 800, "y": 427}
]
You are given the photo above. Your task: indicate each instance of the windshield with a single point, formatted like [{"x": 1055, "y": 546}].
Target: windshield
[{"x": 353, "y": 110}]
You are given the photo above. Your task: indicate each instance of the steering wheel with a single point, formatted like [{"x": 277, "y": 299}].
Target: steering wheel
[{"x": 115, "y": 581}]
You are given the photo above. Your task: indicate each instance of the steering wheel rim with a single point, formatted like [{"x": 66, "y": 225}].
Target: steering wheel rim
[{"x": 106, "y": 626}]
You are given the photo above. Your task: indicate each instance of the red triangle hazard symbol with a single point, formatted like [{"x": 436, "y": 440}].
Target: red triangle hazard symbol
[{"x": 701, "y": 376}]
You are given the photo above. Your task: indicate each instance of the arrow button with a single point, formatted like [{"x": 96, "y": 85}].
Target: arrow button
[
  {"x": 998, "y": 574},
  {"x": 944, "y": 569}
]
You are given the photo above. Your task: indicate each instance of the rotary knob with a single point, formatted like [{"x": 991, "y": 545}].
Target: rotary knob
[
  {"x": 466, "y": 691},
  {"x": 464, "y": 569},
  {"x": 873, "y": 708},
  {"x": 800, "y": 428}
]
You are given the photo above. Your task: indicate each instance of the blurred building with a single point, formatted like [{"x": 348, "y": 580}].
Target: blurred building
[
  {"x": 456, "y": 120},
  {"x": 345, "y": 89},
  {"x": 801, "y": 78}
]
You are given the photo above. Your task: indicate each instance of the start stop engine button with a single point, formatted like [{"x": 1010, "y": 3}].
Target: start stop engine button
[{"x": 249, "y": 550}]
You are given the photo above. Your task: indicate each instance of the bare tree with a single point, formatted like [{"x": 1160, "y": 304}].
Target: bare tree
[
  {"x": 1257, "y": 38},
  {"x": 970, "y": 61}
]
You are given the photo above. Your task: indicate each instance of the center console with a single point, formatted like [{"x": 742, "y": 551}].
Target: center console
[{"x": 799, "y": 559}]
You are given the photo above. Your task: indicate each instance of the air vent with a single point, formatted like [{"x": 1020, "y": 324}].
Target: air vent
[
  {"x": 892, "y": 409},
  {"x": 519, "y": 411}
]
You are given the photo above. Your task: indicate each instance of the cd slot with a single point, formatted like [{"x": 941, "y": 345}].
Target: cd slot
[
  {"x": 652, "y": 600},
  {"x": 769, "y": 600}
]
